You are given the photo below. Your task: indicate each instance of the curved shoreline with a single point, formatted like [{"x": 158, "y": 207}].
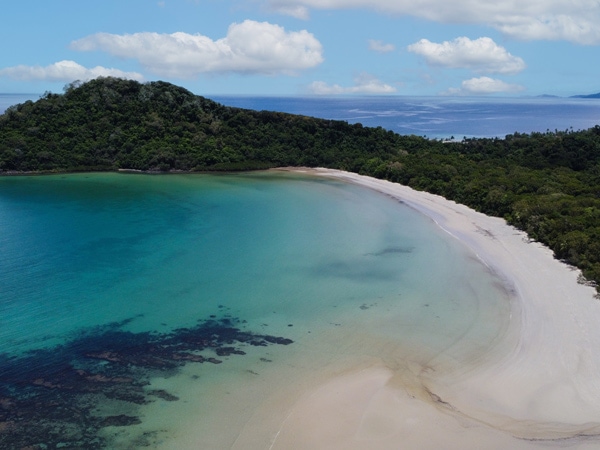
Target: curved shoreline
[
  {"x": 544, "y": 391},
  {"x": 538, "y": 388}
]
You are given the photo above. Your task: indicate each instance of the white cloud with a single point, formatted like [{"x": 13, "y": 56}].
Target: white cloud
[
  {"x": 481, "y": 55},
  {"x": 299, "y": 12},
  {"x": 485, "y": 86},
  {"x": 364, "y": 84},
  {"x": 64, "y": 71},
  {"x": 569, "y": 20},
  {"x": 380, "y": 46},
  {"x": 249, "y": 47}
]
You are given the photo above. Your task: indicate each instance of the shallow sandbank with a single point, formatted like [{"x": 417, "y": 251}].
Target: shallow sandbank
[{"x": 541, "y": 390}]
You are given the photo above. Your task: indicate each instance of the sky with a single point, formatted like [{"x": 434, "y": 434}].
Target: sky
[{"x": 506, "y": 48}]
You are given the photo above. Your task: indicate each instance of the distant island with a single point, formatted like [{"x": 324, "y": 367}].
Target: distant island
[
  {"x": 547, "y": 184},
  {"x": 571, "y": 96},
  {"x": 587, "y": 96}
]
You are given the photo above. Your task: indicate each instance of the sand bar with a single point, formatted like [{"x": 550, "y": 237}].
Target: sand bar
[{"x": 541, "y": 391}]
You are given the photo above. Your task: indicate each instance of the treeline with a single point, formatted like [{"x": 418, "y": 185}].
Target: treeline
[{"x": 547, "y": 184}]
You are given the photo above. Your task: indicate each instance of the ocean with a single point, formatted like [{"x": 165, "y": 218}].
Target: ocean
[
  {"x": 141, "y": 311},
  {"x": 440, "y": 117},
  {"x": 7, "y": 100},
  {"x": 433, "y": 117}
]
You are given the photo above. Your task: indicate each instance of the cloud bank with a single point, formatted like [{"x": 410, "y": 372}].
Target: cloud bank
[
  {"x": 481, "y": 55},
  {"x": 573, "y": 21},
  {"x": 65, "y": 71},
  {"x": 380, "y": 46},
  {"x": 484, "y": 86},
  {"x": 249, "y": 48},
  {"x": 364, "y": 84}
]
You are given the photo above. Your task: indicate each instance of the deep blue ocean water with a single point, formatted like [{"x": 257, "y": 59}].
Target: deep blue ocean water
[
  {"x": 439, "y": 117},
  {"x": 434, "y": 117},
  {"x": 7, "y": 100}
]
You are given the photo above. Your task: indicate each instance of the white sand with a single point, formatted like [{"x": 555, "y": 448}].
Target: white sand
[{"x": 541, "y": 391}]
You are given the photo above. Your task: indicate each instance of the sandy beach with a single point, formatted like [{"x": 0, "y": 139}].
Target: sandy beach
[{"x": 542, "y": 389}]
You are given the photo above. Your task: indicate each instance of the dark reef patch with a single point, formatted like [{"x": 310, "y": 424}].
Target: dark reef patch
[
  {"x": 392, "y": 251},
  {"x": 49, "y": 398}
]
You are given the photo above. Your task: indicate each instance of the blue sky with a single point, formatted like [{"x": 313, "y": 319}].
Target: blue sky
[{"x": 307, "y": 47}]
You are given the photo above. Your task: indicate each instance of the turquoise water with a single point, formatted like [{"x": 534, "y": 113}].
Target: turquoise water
[
  {"x": 286, "y": 255},
  {"x": 83, "y": 250}
]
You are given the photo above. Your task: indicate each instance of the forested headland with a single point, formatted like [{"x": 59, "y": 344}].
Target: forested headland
[{"x": 547, "y": 184}]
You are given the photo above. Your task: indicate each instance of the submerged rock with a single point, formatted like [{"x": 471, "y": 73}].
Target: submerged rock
[
  {"x": 119, "y": 421},
  {"x": 48, "y": 398}
]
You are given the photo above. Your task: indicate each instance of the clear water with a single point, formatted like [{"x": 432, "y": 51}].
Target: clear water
[
  {"x": 342, "y": 271},
  {"x": 84, "y": 249}
]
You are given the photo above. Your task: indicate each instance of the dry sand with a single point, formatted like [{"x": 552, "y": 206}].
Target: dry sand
[{"x": 542, "y": 390}]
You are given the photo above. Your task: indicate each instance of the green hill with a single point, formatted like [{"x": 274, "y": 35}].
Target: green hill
[
  {"x": 109, "y": 123},
  {"x": 547, "y": 184}
]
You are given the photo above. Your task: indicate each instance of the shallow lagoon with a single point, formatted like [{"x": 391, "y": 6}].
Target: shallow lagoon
[{"x": 347, "y": 274}]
